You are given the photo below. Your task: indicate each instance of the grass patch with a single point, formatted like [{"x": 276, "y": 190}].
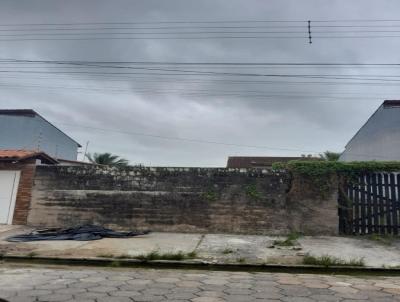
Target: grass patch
[
  {"x": 32, "y": 254},
  {"x": 291, "y": 240},
  {"x": 115, "y": 264},
  {"x": 382, "y": 239},
  {"x": 105, "y": 256},
  {"x": 241, "y": 260},
  {"x": 154, "y": 255},
  {"x": 227, "y": 251},
  {"x": 176, "y": 256},
  {"x": 327, "y": 261}
]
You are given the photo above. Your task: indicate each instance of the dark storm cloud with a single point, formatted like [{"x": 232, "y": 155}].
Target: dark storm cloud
[{"x": 211, "y": 110}]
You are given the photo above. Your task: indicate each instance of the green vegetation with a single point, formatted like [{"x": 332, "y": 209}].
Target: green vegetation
[
  {"x": 115, "y": 264},
  {"x": 323, "y": 168},
  {"x": 321, "y": 173},
  {"x": 105, "y": 256},
  {"x": 156, "y": 255},
  {"x": 330, "y": 156},
  {"x": 382, "y": 239},
  {"x": 227, "y": 251},
  {"x": 252, "y": 192},
  {"x": 107, "y": 159},
  {"x": 210, "y": 195},
  {"x": 327, "y": 261},
  {"x": 241, "y": 260},
  {"x": 31, "y": 254},
  {"x": 291, "y": 240}
]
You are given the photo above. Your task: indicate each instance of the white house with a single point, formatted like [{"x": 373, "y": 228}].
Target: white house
[
  {"x": 379, "y": 138},
  {"x": 25, "y": 129}
]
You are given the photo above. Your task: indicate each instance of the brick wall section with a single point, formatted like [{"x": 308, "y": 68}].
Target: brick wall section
[
  {"x": 24, "y": 193},
  {"x": 178, "y": 200}
]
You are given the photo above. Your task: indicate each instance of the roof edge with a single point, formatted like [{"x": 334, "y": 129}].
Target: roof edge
[{"x": 33, "y": 113}]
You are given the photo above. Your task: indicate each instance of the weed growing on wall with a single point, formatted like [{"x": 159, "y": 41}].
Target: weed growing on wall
[
  {"x": 326, "y": 168},
  {"x": 320, "y": 173},
  {"x": 210, "y": 195},
  {"x": 252, "y": 192}
]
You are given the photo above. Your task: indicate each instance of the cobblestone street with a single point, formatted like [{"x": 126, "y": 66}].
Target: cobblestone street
[{"x": 132, "y": 284}]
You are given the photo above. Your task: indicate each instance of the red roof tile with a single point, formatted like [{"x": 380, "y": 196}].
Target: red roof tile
[{"x": 18, "y": 155}]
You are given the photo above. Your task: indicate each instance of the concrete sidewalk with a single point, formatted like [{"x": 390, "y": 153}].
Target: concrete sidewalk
[{"x": 214, "y": 248}]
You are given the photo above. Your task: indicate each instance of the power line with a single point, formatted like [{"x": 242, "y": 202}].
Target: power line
[
  {"x": 202, "y": 92},
  {"x": 201, "y": 140},
  {"x": 202, "y": 22},
  {"x": 186, "y": 139},
  {"x": 206, "y": 73},
  {"x": 198, "y": 63}
]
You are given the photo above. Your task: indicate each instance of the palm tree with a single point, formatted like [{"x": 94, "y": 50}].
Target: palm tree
[
  {"x": 107, "y": 159},
  {"x": 330, "y": 156}
]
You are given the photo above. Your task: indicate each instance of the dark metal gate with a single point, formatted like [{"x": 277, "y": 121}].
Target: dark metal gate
[{"x": 370, "y": 204}]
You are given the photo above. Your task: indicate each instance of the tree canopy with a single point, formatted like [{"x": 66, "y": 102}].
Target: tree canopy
[{"x": 107, "y": 159}]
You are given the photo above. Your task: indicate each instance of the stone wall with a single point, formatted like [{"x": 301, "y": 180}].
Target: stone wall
[{"x": 178, "y": 200}]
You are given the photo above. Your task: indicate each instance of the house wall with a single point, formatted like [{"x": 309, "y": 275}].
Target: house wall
[
  {"x": 23, "y": 198},
  {"x": 34, "y": 133},
  {"x": 180, "y": 200},
  {"x": 378, "y": 139}
]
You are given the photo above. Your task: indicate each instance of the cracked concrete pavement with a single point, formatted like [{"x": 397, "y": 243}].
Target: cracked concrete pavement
[{"x": 218, "y": 248}]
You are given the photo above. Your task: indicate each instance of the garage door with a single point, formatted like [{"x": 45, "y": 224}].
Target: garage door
[{"x": 8, "y": 191}]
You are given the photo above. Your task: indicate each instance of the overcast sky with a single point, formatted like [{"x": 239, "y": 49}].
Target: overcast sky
[{"x": 277, "y": 119}]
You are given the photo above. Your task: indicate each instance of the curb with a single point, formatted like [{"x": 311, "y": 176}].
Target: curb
[{"x": 199, "y": 265}]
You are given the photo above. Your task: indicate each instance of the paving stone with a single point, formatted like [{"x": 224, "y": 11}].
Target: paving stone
[
  {"x": 34, "y": 292},
  {"x": 22, "y": 299},
  {"x": 148, "y": 298},
  {"x": 208, "y": 299},
  {"x": 167, "y": 280},
  {"x": 188, "y": 284},
  {"x": 215, "y": 281},
  {"x": 93, "y": 279},
  {"x": 177, "y": 296},
  {"x": 325, "y": 298},
  {"x": 55, "y": 297},
  {"x": 114, "y": 299},
  {"x": 148, "y": 285},
  {"x": 155, "y": 291},
  {"x": 119, "y": 278},
  {"x": 239, "y": 291},
  {"x": 344, "y": 290},
  {"x": 269, "y": 295},
  {"x": 82, "y": 285},
  {"x": 139, "y": 282},
  {"x": 102, "y": 289},
  {"x": 71, "y": 291},
  {"x": 240, "y": 298},
  {"x": 125, "y": 293},
  {"x": 297, "y": 299},
  {"x": 206, "y": 293},
  {"x": 90, "y": 295}
]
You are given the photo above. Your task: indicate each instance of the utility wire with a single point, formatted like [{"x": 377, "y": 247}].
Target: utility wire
[
  {"x": 9, "y": 60},
  {"x": 201, "y": 140}
]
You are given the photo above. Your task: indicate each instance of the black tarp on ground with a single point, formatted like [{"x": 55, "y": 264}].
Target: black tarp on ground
[{"x": 80, "y": 233}]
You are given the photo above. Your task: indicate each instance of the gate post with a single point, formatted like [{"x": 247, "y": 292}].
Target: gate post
[{"x": 345, "y": 206}]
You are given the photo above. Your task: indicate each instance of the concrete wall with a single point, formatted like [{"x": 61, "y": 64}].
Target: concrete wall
[
  {"x": 180, "y": 199},
  {"x": 33, "y": 132}
]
